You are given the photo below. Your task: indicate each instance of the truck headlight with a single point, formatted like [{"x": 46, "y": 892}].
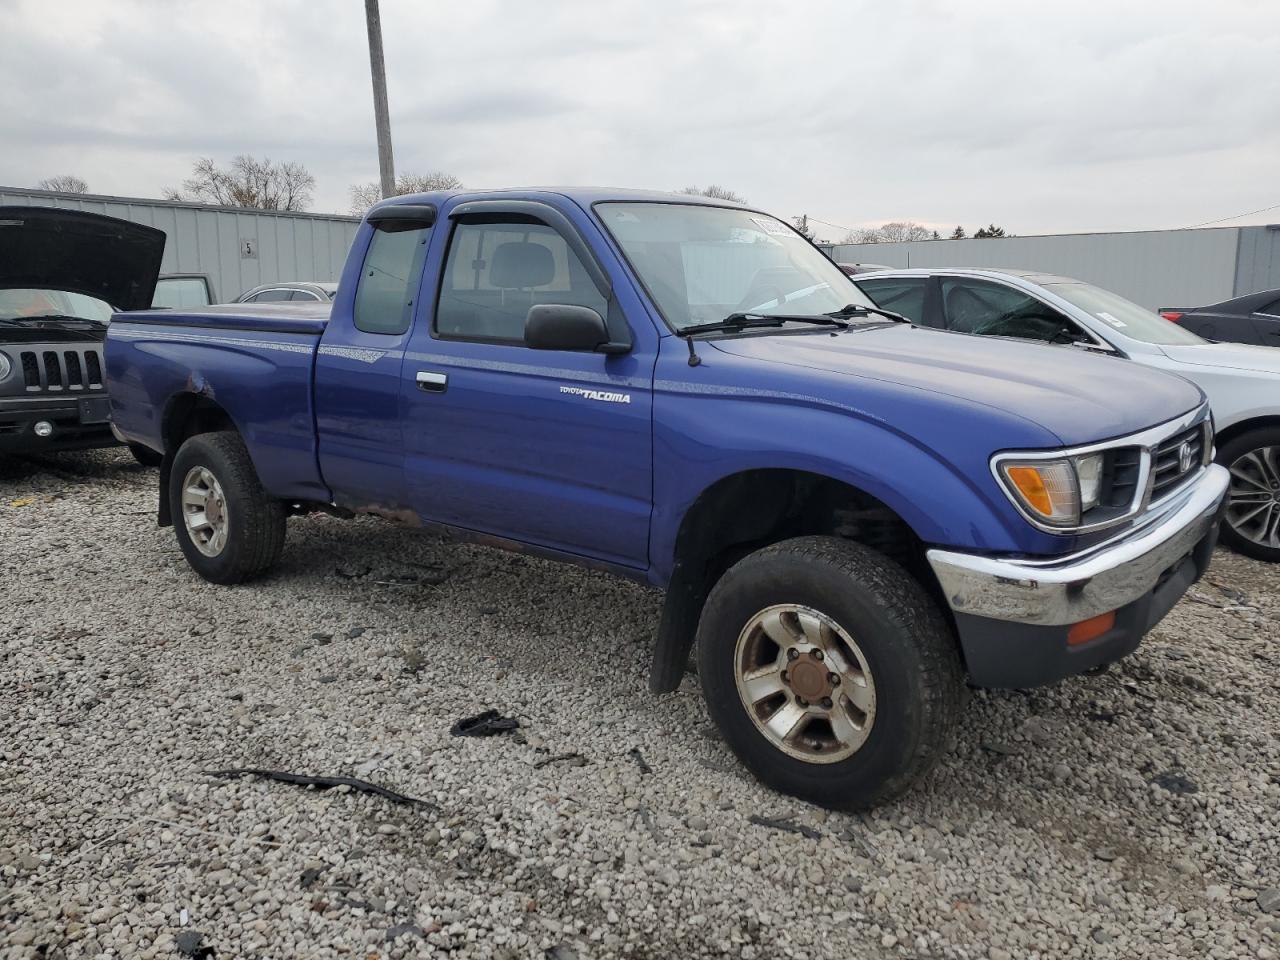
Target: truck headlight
[
  {"x": 1055, "y": 492},
  {"x": 6, "y": 367}
]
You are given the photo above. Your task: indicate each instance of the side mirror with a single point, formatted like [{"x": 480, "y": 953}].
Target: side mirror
[{"x": 563, "y": 326}]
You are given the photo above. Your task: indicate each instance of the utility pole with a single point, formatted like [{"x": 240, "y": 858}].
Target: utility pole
[{"x": 377, "y": 67}]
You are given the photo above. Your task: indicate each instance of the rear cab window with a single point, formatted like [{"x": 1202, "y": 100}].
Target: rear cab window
[{"x": 390, "y": 277}]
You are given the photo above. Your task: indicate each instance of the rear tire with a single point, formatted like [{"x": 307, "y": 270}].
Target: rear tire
[
  {"x": 884, "y": 713},
  {"x": 1251, "y": 524},
  {"x": 229, "y": 529}
]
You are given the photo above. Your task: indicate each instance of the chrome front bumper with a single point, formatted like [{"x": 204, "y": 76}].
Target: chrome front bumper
[{"x": 1070, "y": 589}]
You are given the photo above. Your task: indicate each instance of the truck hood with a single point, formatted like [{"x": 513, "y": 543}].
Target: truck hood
[
  {"x": 1076, "y": 396},
  {"x": 50, "y": 249},
  {"x": 1226, "y": 356}
]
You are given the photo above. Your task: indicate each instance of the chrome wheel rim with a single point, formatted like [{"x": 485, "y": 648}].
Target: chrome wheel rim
[
  {"x": 805, "y": 683},
  {"x": 204, "y": 511},
  {"x": 1253, "y": 504}
]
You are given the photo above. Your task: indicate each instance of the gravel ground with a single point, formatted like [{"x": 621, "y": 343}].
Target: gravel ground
[{"x": 1133, "y": 814}]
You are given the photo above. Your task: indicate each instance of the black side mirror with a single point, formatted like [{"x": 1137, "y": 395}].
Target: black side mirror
[{"x": 563, "y": 326}]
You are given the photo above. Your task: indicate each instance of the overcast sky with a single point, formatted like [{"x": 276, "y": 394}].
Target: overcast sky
[{"x": 1043, "y": 118}]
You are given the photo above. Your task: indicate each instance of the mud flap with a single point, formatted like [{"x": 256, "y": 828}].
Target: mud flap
[{"x": 685, "y": 596}]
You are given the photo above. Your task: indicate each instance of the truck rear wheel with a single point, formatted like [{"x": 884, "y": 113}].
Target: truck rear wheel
[
  {"x": 829, "y": 671},
  {"x": 228, "y": 528}
]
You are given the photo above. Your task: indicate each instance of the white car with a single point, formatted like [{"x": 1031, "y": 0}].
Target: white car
[{"x": 1241, "y": 381}]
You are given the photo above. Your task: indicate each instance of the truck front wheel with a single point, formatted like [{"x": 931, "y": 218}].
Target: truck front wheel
[
  {"x": 829, "y": 671},
  {"x": 228, "y": 528}
]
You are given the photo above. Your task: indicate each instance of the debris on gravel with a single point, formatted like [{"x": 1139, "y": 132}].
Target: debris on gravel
[{"x": 1061, "y": 824}]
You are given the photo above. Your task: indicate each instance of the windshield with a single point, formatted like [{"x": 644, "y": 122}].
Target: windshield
[
  {"x": 701, "y": 264},
  {"x": 16, "y": 304},
  {"x": 181, "y": 292},
  {"x": 1123, "y": 316}
]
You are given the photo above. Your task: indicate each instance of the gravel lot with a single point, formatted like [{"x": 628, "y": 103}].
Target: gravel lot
[{"x": 1133, "y": 814}]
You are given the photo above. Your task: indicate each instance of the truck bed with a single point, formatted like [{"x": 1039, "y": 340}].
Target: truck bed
[{"x": 254, "y": 361}]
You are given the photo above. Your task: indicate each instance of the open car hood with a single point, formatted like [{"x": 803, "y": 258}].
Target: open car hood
[{"x": 50, "y": 249}]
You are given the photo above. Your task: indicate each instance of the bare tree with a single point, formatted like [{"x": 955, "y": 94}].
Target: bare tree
[
  {"x": 801, "y": 223},
  {"x": 898, "y": 231},
  {"x": 63, "y": 183},
  {"x": 365, "y": 195},
  {"x": 247, "y": 182},
  {"x": 715, "y": 192}
]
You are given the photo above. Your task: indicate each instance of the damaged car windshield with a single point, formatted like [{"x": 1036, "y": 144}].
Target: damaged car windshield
[
  {"x": 703, "y": 263},
  {"x": 24, "y": 304}
]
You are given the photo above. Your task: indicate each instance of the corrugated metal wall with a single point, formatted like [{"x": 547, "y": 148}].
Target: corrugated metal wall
[
  {"x": 212, "y": 240},
  {"x": 1154, "y": 268},
  {"x": 1258, "y": 263}
]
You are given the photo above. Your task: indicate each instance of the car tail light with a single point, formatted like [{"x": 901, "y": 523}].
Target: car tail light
[{"x": 1172, "y": 315}]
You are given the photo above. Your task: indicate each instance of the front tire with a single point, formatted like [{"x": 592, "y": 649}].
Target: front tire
[
  {"x": 1251, "y": 524},
  {"x": 227, "y": 526},
  {"x": 830, "y": 672}
]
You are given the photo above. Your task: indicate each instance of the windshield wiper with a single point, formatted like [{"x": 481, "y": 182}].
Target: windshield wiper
[
  {"x": 852, "y": 310},
  {"x": 735, "y": 322},
  {"x": 743, "y": 321}
]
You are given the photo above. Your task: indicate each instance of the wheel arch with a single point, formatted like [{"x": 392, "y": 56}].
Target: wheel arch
[
  {"x": 1240, "y": 427},
  {"x": 753, "y": 508},
  {"x": 185, "y": 416}
]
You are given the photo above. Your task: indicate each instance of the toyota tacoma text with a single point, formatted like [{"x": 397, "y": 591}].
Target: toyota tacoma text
[{"x": 850, "y": 515}]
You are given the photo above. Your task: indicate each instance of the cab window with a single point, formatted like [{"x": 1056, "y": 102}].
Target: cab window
[
  {"x": 496, "y": 271},
  {"x": 389, "y": 279}
]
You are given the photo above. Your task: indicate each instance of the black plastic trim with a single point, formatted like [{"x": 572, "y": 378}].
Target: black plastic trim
[{"x": 425, "y": 213}]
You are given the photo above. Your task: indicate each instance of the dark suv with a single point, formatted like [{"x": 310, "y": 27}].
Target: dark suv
[{"x": 62, "y": 273}]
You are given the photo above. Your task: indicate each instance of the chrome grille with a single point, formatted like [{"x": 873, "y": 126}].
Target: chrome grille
[
  {"x": 61, "y": 371},
  {"x": 1176, "y": 459}
]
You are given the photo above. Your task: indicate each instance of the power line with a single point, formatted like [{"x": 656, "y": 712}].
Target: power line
[{"x": 1225, "y": 219}]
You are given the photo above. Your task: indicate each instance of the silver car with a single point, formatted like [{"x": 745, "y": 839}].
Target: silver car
[
  {"x": 1241, "y": 381},
  {"x": 295, "y": 291}
]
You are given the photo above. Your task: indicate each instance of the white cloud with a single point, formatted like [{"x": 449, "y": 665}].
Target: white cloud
[{"x": 1095, "y": 115}]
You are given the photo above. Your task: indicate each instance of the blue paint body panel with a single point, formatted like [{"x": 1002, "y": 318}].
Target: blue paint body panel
[{"x": 513, "y": 451}]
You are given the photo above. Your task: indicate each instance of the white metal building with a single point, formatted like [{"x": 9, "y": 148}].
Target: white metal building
[
  {"x": 1156, "y": 268},
  {"x": 236, "y": 248}
]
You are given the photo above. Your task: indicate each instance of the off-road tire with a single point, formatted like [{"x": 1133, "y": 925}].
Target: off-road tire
[
  {"x": 913, "y": 658},
  {"x": 256, "y": 522},
  {"x": 1228, "y": 454}
]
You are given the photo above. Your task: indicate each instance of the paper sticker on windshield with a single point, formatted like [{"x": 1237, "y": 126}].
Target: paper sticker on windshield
[
  {"x": 1114, "y": 321},
  {"x": 772, "y": 227}
]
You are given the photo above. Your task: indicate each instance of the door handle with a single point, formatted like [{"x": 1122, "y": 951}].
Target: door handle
[{"x": 432, "y": 382}]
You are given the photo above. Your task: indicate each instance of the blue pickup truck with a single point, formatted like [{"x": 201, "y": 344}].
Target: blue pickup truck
[{"x": 849, "y": 515}]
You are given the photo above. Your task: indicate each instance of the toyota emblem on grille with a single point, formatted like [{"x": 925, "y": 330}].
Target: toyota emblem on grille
[{"x": 1184, "y": 457}]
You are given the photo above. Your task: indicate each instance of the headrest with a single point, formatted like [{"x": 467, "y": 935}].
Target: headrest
[{"x": 520, "y": 265}]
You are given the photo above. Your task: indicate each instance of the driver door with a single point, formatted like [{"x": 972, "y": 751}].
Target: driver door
[{"x": 991, "y": 309}]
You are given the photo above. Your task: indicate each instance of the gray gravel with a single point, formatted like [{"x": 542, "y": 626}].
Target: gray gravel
[{"x": 1133, "y": 814}]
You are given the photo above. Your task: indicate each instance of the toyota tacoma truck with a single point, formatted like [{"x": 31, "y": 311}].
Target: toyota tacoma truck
[
  {"x": 850, "y": 516},
  {"x": 62, "y": 272}
]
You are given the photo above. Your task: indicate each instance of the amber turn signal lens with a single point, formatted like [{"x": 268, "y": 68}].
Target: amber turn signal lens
[
  {"x": 1030, "y": 484},
  {"x": 1090, "y": 629}
]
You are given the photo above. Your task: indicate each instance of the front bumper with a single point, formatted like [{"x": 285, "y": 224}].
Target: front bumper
[
  {"x": 1013, "y": 614},
  {"x": 78, "y": 423}
]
